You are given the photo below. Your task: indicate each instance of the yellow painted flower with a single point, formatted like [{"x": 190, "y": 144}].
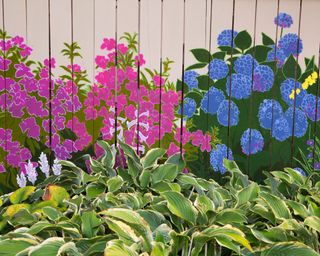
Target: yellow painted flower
[
  {"x": 305, "y": 85},
  {"x": 291, "y": 96}
]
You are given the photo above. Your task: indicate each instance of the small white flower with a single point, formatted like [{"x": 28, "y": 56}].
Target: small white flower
[
  {"x": 56, "y": 168},
  {"x": 31, "y": 173},
  {"x": 44, "y": 165},
  {"x": 21, "y": 180}
]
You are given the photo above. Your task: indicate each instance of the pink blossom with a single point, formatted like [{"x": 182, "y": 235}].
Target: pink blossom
[
  {"x": 157, "y": 80},
  {"x": 101, "y": 61},
  {"x": 46, "y": 62},
  {"x": 17, "y": 40},
  {"x": 108, "y": 43},
  {"x": 4, "y": 64},
  {"x": 2, "y": 169},
  {"x": 30, "y": 126},
  {"x": 26, "y": 51},
  {"x": 142, "y": 61},
  {"x": 173, "y": 149},
  {"x": 76, "y": 68},
  {"x": 122, "y": 49},
  {"x": 22, "y": 70}
]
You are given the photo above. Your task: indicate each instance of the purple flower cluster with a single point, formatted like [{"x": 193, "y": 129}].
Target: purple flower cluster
[
  {"x": 223, "y": 113},
  {"x": 300, "y": 121},
  {"x": 290, "y": 44},
  {"x": 225, "y": 37},
  {"x": 269, "y": 110},
  {"x": 245, "y": 64},
  {"x": 211, "y": 100},
  {"x": 309, "y": 104},
  {"x": 253, "y": 145},
  {"x": 283, "y": 20},
  {"x": 218, "y": 69},
  {"x": 263, "y": 78},
  {"x": 280, "y": 58},
  {"x": 281, "y": 129},
  {"x": 190, "y": 79},
  {"x": 240, "y": 86},
  {"x": 218, "y": 155}
]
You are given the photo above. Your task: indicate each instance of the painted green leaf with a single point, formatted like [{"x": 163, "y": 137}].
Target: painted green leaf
[
  {"x": 291, "y": 69},
  {"x": 243, "y": 40},
  {"x": 180, "y": 206},
  {"x": 196, "y": 66},
  {"x": 21, "y": 194},
  {"x": 201, "y": 55},
  {"x": 266, "y": 40}
]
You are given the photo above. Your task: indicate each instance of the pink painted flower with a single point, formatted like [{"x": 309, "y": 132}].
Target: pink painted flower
[
  {"x": 108, "y": 43},
  {"x": 46, "y": 62},
  {"x": 22, "y": 70},
  {"x": 30, "y": 126},
  {"x": 122, "y": 48},
  {"x": 4, "y": 64},
  {"x": 142, "y": 61},
  {"x": 173, "y": 149},
  {"x": 157, "y": 80},
  {"x": 101, "y": 61}
]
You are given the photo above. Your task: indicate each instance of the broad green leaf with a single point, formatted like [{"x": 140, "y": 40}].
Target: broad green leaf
[
  {"x": 204, "y": 204},
  {"x": 291, "y": 69},
  {"x": 95, "y": 189},
  {"x": 164, "y": 172},
  {"x": 277, "y": 205},
  {"x": 266, "y": 40},
  {"x": 152, "y": 156},
  {"x": 145, "y": 178},
  {"x": 289, "y": 249},
  {"x": 69, "y": 249},
  {"x": 153, "y": 218},
  {"x": 201, "y": 55},
  {"x": 21, "y": 194},
  {"x": 313, "y": 222},
  {"x": 248, "y": 194},
  {"x": 270, "y": 236},
  {"x": 114, "y": 183},
  {"x": 180, "y": 206},
  {"x": 108, "y": 159},
  {"x": 228, "y": 216},
  {"x": 196, "y": 66},
  {"x": 117, "y": 248},
  {"x": 129, "y": 151},
  {"x": 90, "y": 224},
  {"x": 243, "y": 40},
  {"x": 13, "y": 209},
  {"x": 52, "y": 213},
  {"x": 298, "y": 208},
  {"x": 176, "y": 159},
  {"x": 14, "y": 246},
  {"x": 49, "y": 247},
  {"x": 134, "y": 167}
]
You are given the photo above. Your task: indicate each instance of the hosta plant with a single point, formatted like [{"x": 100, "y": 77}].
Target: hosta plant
[{"x": 149, "y": 206}]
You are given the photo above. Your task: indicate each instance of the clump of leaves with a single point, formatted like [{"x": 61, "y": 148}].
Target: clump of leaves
[{"x": 150, "y": 207}]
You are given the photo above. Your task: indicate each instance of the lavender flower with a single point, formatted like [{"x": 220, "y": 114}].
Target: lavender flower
[
  {"x": 44, "y": 165},
  {"x": 283, "y": 20},
  {"x": 32, "y": 174},
  {"x": 21, "y": 180},
  {"x": 56, "y": 167}
]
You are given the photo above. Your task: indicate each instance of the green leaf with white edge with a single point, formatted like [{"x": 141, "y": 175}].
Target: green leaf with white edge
[
  {"x": 95, "y": 189},
  {"x": 123, "y": 230},
  {"x": 90, "y": 224},
  {"x": 145, "y": 178},
  {"x": 180, "y": 206},
  {"x": 15, "y": 208},
  {"x": 109, "y": 157},
  {"x": 69, "y": 249},
  {"x": 51, "y": 213},
  {"x": 289, "y": 249},
  {"x": 21, "y": 194},
  {"x": 204, "y": 204},
  {"x": 201, "y": 55},
  {"x": 49, "y": 247},
  {"x": 14, "y": 246},
  {"x": 177, "y": 160},
  {"x": 134, "y": 167},
  {"x": 298, "y": 208},
  {"x": 152, "y": 157},
  {"x": 164, "y": 172},
  {"x": 227, "y": 216},
  {"x": 118, "y": 248},
  {"x": 277, "y": 205},
  {"x": 296, "y": 176},
  {"x": 243, "y": 40},
  {"x": 153, "y": 218},
  {"x": 270, "y": 236},
  {"x": 115, "y": 183},
  {"x": 129, "y": 151},
  {"x": 313, "y": 222},
  {"x": 248, "y": 194}
]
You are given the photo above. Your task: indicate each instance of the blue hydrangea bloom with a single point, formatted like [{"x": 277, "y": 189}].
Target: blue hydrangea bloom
[
  {"x": 263, "y": 78},
  {"x": 189, "y": 107},
  {"x": 240, "y": 86},
  {"x": 300, "y": 120},
  {"x": 253, "y": 146},
  {"x": 281, "y": 130},
  {"x": 281, "y": 57},
  {"x": 190, "y": 79},
  {"x": 223, "y": 113},
  {"x": 218, "y": 69},
  {"x": 213, "y": 98},
  {"x": 286, "y": 89},
  {"x": 283, "y": 20},
  {"x": 225, "y": 37},
  {"x": 309, "y": 104},
  {"x": 245, "y": 64},
  {"x": 289, "y": 44},
  {"x": 265, "y": 113},
  {"x": 218, "y": 155},
  {"x": 300, "y": 171}
]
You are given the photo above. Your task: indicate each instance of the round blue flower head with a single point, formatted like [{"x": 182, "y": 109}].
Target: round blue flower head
[
  {"x": 281, "y": 130},
  {"x": 225, "y": 37},
  {"x": 245, "y": 64},
  {"x": 254, "y": 145},
  {"x": 283, "y": 20},
  {"x": 289, "y": 44},
  {"x": 300, "y": 171},
  {"x": 263, "y": 78},
  {"x": 287, "y": 87},
  {"x": 218, "y": 155},
  {"x": 189, "y": 107},
  {"x": 300, "y": 120},
  {"x": 190, "y": 79},
  {"x": 280, "y": 58},
  {"x": 218, "y": 69},
  {"x": 240, "y": 86},
  {"x": 223, "y": 113},
  {"x": 213, "y": 97},
  {"x": 265, "y": 113},
  {"x": 309, "y": 104}
]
